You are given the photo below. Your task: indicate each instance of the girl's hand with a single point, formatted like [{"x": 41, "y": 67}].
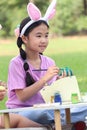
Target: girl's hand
[
  {"x": 2, "y": 94},
  {"x": 51, "y": 72},
  {"x": 2, "y": 90}
]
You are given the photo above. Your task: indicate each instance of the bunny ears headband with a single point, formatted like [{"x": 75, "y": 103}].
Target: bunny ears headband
[{"x": 35, "y": 15}]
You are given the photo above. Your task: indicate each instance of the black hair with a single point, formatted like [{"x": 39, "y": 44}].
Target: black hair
[{"x": 28, "y": 79}]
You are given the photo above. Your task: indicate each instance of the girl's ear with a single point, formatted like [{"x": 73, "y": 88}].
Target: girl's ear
[{"x": 24, "y": 39}]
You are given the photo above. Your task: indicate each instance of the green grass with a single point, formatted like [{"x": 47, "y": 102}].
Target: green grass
[{"x": 71, "y": 52}]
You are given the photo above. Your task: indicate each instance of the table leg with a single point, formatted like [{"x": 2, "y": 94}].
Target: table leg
[
  {"x": 57, "y": 120},
  {"x": 68, "y": 117},
  {"x": 6, "y": 120}
]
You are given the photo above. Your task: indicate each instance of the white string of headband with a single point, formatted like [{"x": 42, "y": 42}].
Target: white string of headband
[{"x": 35, "y": 15}]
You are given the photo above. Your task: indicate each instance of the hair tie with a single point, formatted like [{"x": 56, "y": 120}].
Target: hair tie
[
  {"x": 17, "y": 31},
  {"x": 26, "y": 66}
]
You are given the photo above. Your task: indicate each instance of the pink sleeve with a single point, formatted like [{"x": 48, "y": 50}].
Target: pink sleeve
[{"x": 16, "y": 76}]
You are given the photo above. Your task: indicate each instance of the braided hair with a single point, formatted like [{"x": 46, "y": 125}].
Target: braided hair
[{"x": 28, "y": 79}]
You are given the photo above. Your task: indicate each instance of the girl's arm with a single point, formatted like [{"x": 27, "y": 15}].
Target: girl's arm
[
  {"x": 28, "y": 92},
  {"x": 2, "y": 90}
]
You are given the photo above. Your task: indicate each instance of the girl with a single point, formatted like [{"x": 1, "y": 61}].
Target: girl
[{"x": 26, "y": 75}]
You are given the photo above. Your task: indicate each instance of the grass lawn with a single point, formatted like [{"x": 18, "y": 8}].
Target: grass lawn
[{"x": 68, "y": 51}]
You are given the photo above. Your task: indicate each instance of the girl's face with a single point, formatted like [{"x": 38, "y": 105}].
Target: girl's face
[{"x": 37, "y": 39}]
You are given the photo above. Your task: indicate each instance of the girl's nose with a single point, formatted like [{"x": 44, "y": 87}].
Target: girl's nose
[{"x": 43, "y": 40}]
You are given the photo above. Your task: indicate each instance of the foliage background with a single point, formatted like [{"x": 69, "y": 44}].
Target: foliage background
[{"x": 70, "y": 18}]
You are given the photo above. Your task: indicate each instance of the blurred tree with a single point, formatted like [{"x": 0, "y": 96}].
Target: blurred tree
[
  {"x": 69, "y": 18},
  {"x": 85, "y": 6},
  {"x": 13, "y": 11},
  {"x": 4, "y": 13}
]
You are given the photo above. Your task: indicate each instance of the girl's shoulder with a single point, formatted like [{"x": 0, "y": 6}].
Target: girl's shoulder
[
  {"x": 47, "y": 59},
  {"x": 16, "y": 60}
]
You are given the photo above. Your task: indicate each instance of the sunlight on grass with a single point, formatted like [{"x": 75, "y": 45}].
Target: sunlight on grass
[
  {"x": 67, "y": 45},
  {"x": 8, "y": 47}
]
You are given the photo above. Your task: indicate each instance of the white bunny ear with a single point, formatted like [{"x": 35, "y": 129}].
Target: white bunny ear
[
  {"x": 50, "y": 11},
  {"x": 52, "y": 14},
  {"x": 33, "y": 12}
]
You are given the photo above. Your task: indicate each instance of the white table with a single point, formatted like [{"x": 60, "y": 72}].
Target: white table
[{"x": 52, "y": 106}]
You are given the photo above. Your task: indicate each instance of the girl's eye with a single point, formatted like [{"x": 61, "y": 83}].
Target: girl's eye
[
  {"x": 46, "y": 35},
  {"x": 38, "y": 35},
  {"x": 42, "y": 36}
]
